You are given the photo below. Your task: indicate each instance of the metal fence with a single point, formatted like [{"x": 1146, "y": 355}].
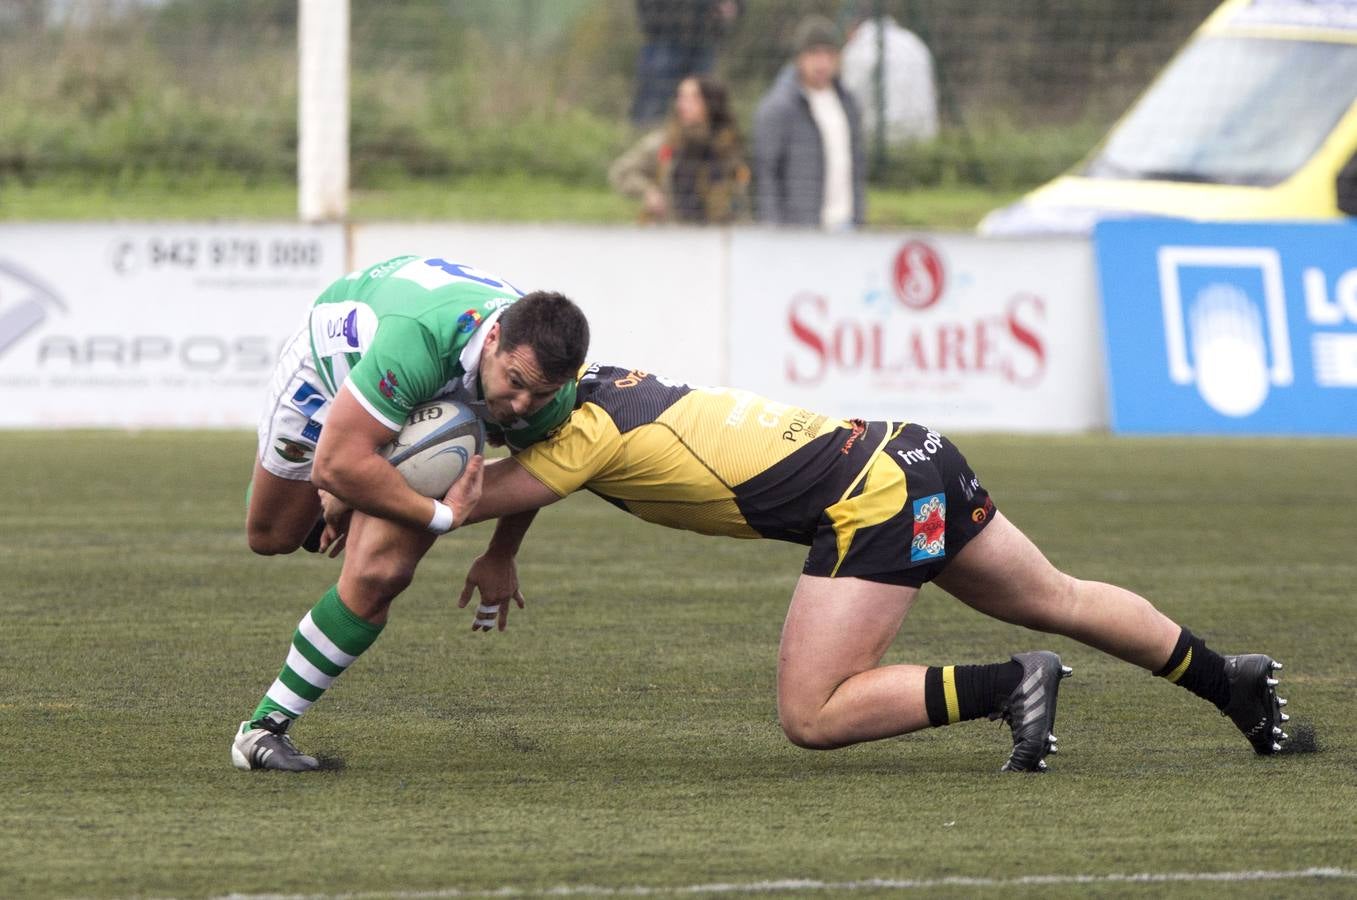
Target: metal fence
[{"x": 995, "y": 93}]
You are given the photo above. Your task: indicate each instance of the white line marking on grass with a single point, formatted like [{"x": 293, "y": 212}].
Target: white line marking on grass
[{"x": 809, "y": 885}]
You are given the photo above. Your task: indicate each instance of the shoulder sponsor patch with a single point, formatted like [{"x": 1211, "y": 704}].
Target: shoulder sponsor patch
[
  {"x": 930, "y": 528},
  {"x": 468, "y": 321},
  {"x": 350, "y": 328}
]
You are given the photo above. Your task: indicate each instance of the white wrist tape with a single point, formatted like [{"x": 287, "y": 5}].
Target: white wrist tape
[{"x": 441, "y": 523}]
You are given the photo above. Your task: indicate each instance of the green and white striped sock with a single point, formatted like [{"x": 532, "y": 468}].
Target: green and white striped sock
[{"x": 327, "y": 641}]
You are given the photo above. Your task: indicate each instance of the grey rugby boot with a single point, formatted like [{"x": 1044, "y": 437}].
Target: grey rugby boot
[
  {"x": 1030, "y": 710},
  {"x": 1254, "y": 706},
  {"x": 264, "y": 744}
]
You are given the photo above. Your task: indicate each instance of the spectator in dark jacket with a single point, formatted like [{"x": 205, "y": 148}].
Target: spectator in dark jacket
[
  {"x": 809, "y": 161},
  {"x": 680, "y": 40}
]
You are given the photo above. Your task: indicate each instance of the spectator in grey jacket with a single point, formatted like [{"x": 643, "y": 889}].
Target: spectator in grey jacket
[{"x": 809, "y": 161}]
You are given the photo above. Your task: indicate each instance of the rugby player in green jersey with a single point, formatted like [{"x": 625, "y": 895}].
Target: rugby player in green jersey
[
  {"x": 884, "y": 507},
  {"x": 376, "y": 344}
]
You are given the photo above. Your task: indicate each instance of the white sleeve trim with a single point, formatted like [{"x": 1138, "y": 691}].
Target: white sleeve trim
[{"x": 372, "y": 410}]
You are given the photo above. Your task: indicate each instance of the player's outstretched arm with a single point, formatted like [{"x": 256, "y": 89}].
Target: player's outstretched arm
[
  {"x": 515, "y": 495},
  {"x": 495, "y": 573},
  {"x": 508, "y": 489}
]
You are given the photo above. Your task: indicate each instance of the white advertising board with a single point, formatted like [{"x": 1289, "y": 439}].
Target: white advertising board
[
  {"x": 151, "y": 325},
  {"x": 956, "y": 332},
  {"x": 178, "y": 325},
  {"x": 655, "y": 297}
]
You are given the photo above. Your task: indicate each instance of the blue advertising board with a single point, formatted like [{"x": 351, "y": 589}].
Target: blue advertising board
[{"x": 1230, "y": 329}]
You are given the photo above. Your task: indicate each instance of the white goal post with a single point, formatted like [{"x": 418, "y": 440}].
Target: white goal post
[{"x": 323, "y": 110}]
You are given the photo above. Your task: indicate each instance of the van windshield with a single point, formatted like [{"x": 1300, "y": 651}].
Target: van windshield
[{"x": 1233, "y": 110}]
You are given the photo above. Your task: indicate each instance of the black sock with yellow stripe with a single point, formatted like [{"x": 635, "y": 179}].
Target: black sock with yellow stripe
[
  {"x": 1198, "y": 668},
  {"x": 958, "y": 693}
]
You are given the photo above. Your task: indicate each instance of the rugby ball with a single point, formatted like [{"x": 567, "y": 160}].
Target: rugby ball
[{"x": 434, "y": 446}]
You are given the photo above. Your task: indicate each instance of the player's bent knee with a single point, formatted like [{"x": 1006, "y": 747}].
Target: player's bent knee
[
  {"x": 269, "y": 543},
  {"x": 805, "y": 729},
  {"x": 808, "y": 737},
  {"x": 380, "y": 583}
]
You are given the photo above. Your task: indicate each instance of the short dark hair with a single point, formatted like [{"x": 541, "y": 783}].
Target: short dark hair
[{"x": 553, "y": 326}]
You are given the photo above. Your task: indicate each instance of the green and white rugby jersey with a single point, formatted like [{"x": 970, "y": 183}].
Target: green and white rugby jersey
[{"x": 411, "y": 329}]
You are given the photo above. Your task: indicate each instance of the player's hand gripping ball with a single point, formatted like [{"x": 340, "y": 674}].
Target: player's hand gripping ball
[{"x": 433, "y": 448}]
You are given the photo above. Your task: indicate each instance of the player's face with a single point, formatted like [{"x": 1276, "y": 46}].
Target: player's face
[{"x": 512, "y": 380}]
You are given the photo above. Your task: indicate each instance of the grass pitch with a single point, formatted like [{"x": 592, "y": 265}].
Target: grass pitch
[{"x": 621, "y": 736}]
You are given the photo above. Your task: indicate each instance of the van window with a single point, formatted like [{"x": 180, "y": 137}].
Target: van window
[{"x": 1234, "y": 110}]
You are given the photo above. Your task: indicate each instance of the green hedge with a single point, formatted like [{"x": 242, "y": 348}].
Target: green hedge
[{"x": 482, "y": 88}]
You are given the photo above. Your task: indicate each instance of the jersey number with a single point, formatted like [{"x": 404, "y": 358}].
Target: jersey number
[{"x": 458, "y": 270}]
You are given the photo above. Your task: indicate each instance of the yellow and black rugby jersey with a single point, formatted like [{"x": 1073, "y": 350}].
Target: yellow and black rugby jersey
[{"x": 712, "y": 460}]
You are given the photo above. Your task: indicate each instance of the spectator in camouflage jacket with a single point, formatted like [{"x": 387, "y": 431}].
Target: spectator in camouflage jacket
[{"x": 693, "y": 169}]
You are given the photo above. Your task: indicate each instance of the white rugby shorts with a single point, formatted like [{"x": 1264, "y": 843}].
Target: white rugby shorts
[{"x": 297, "y": 406}]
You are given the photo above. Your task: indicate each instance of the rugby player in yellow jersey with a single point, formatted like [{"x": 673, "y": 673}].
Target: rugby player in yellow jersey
[{"x": 884, "y": 507}]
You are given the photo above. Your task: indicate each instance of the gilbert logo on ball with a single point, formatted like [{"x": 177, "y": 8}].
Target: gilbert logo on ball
[{"x": 434, "y": 447}]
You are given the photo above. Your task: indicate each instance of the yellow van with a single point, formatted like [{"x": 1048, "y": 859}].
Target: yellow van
[{"x": 1255, "y": 118}]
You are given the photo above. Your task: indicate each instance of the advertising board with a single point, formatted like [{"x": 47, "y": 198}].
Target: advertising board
[
  {"x": 151, "y": 325},
  {"x": 957, "y": 332},
  {"x": 1230, "y": 329}
]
